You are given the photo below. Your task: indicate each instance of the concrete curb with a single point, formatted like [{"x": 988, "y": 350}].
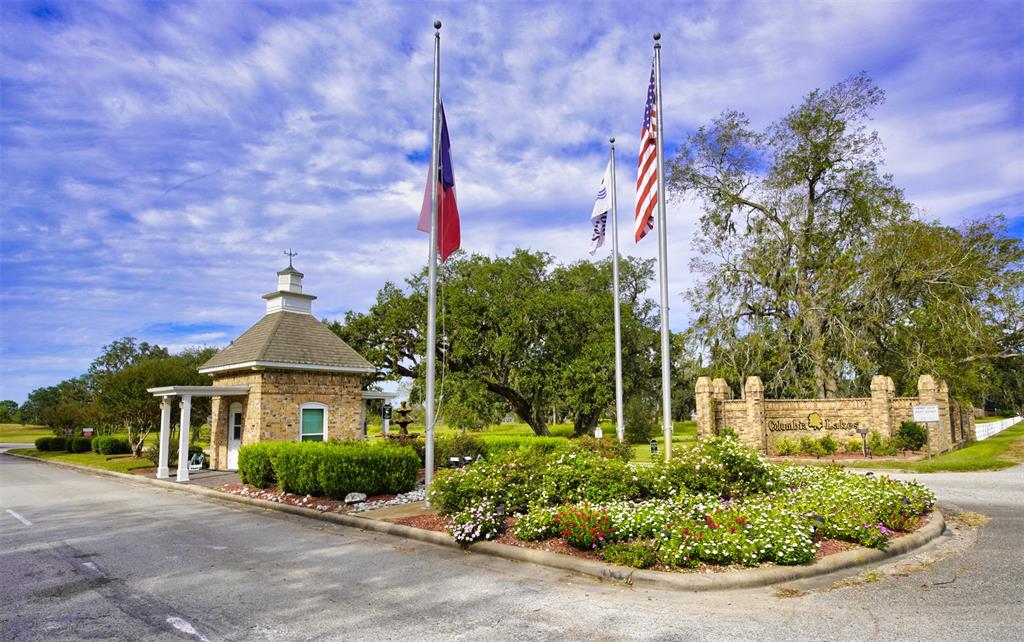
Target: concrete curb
[{"x": 748, "y": 578}]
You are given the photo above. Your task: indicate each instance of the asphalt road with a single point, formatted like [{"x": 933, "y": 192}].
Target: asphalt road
[{"x": 89, "y": 557}]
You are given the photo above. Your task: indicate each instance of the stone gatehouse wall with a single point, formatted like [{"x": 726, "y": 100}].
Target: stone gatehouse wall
[
  {"x": 760, "y": 422},
  {"x": 270, "y": 412}
]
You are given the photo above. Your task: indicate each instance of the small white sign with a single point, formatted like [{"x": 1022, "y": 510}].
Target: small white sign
[
  {"x": 926, "y": 413},
  {"x": 598, "y": 433}
]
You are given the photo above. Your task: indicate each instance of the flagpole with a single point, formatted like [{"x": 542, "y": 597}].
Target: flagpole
[
  {"x": 666, "y": 364},
  {"x": 619, "y": 430},
  {"x": 435, "y": 144}
]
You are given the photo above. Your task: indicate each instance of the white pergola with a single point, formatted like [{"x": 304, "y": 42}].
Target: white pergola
[{"x": 186, "y": 393}]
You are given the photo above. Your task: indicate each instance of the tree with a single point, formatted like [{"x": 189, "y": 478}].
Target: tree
[
  {"x": 39, "y": 407},
  {"x": 816, "y": 274},
  {"x": 517, "y": 328},
  {"x": 125, "y": 352},
  {"x": 124, "y": 399},
  {"x": 9, "y": 412}
]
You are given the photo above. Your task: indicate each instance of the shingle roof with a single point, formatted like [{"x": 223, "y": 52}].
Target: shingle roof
[{"x": 289, "y": 338}]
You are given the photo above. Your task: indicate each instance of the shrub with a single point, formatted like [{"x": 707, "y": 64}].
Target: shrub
[
  {"x": 828, "y": 445},
  {"x": 480, "y": 521},
  {"x": 499, "y": 444},
  {"x": 331, "y": 469},
  {"x": 810, "y": 446},
  {"x": 584, "y": 527},
  {"x": 354, "y": 467},
  {"x": 111, "y": 446},
  {"x": 254, "y": 464},
  {"x": 638, "y": 554},
  {"x": 879, "y": 445},
  {"x": 81, "y": 444},
  {"x": 43, "y": 443},
  {"x": 854, "y": 445},
  {"x": 911, "y": 436},
  {"x": 460, "y": 445},
  {"x": 786, "y": 447},
  {"x": 638, "y": 420},
  {"x": 58, "y": 444},
  {"x": 607, "y": 447},
  {"x": 539, "y": 523}
]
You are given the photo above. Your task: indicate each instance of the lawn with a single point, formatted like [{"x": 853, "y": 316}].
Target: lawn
[
  {"x": 995, "y": 453},
  {"x": 22, "y": 433},
  {"x": 116, "y": 463}
]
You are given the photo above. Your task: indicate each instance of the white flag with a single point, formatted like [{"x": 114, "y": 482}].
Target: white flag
[{"x": 599, "y": 215}]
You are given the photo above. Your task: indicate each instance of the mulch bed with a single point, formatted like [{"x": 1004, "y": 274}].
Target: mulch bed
[
  {"x": 848, "y": 457},
  {"x": 273, "y": 494}
]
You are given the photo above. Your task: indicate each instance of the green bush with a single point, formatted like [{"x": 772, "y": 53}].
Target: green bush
[
  {"x": 854, "y": 445},
  {"x": 786, "y": 447},
  {"x": 58, "y": 444},
  {"x": 638, "y": 420},
  {"x": 111, "y": 446},
  {"x": 810, "y": 446},
  {"x": 332, "y": 469},
  {"x": 539, "y": 523},
  {"x": 43, "y": 443},
  {"x": 638, "y": 554},
  {"x": 254, "y": 464},
  {"x": 879, "y": 445},
  {"x": 607, "y": 447},
  {"x": 80, "y": 444},
  {"x": 584, "y": 527},
  {"x": 828, "y": 445},
  {"x": 498, "y": 444},
  {"x": 911, "y": 436},
  {"x": 459, "y": 445}
]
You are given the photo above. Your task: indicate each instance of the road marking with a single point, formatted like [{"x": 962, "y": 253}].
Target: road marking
[
  {"x": 185, "y": 627},
  {"x": 19, "y": 518},
  {"x": 90, "y": 566}
]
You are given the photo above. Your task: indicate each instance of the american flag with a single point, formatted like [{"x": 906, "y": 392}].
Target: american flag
[{"x": 647, "y": 169}]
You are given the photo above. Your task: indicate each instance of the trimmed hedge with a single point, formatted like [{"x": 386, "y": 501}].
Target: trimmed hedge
[
  {"x": 58, "y": 444},
  {"x": 80, "y": 444},
  {"x": 329, "y": 469},
  {"x": 504, "y": 443},
  {"x": 43, "y": 443},
  {"x": 111, "y": 446}
]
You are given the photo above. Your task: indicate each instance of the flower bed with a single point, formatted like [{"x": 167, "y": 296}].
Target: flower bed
[{"x": 718, "y": 504}]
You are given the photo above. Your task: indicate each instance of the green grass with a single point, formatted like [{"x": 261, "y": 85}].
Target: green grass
[
  {"x": 22, "y": 433},
  {"x": 117, "y": 463},
  {"x": 684, "y": 433},
  {"x": 988, "y": 420},
  {"x": 995, "y": 453}
]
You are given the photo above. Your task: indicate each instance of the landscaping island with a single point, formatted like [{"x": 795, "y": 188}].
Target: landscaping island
[{"x": 714, "y": 506}]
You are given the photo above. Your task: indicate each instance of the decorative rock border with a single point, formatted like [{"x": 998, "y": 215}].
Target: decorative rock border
[{"x": 748, "y": 578}]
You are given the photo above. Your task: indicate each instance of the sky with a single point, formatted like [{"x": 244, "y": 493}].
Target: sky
[{"x": 157, "y": 159}]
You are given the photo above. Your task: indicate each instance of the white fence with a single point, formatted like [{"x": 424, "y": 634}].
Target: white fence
[{"x": 986, "y": 430}]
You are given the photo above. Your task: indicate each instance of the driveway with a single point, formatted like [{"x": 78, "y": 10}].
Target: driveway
[{"x": 86, "y": 556}]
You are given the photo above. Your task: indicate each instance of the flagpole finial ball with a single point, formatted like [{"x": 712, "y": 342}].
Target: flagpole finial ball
[
  {"x": 657, "y": 35},
  {"x": 437, "y": 24},
  {"x": 612, "y": 140}
]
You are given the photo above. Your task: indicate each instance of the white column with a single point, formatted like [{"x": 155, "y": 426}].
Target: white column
[
  {"x": 162, "y": 471},
  {"x": 183, "y": 437}
]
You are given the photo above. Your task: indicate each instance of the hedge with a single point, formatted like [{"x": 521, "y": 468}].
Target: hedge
[
  {"x": 330, "y": 469},
  {"x": 111, "y": 446},
  {"x": 80, "y": 444},
  {"x": 58, "y": 444},
  {"x": 43, "y": 443},
  {"x": 503, "y": 443}
]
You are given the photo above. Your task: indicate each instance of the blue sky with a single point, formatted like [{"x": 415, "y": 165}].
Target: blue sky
[{"x": 156, "y": 159}]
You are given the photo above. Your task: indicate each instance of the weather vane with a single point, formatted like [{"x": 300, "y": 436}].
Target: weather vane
[{"x": 290, "y": 254}]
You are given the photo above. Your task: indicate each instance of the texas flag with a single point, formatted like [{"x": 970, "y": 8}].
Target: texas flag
[{"x": 448, "y": 233}]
